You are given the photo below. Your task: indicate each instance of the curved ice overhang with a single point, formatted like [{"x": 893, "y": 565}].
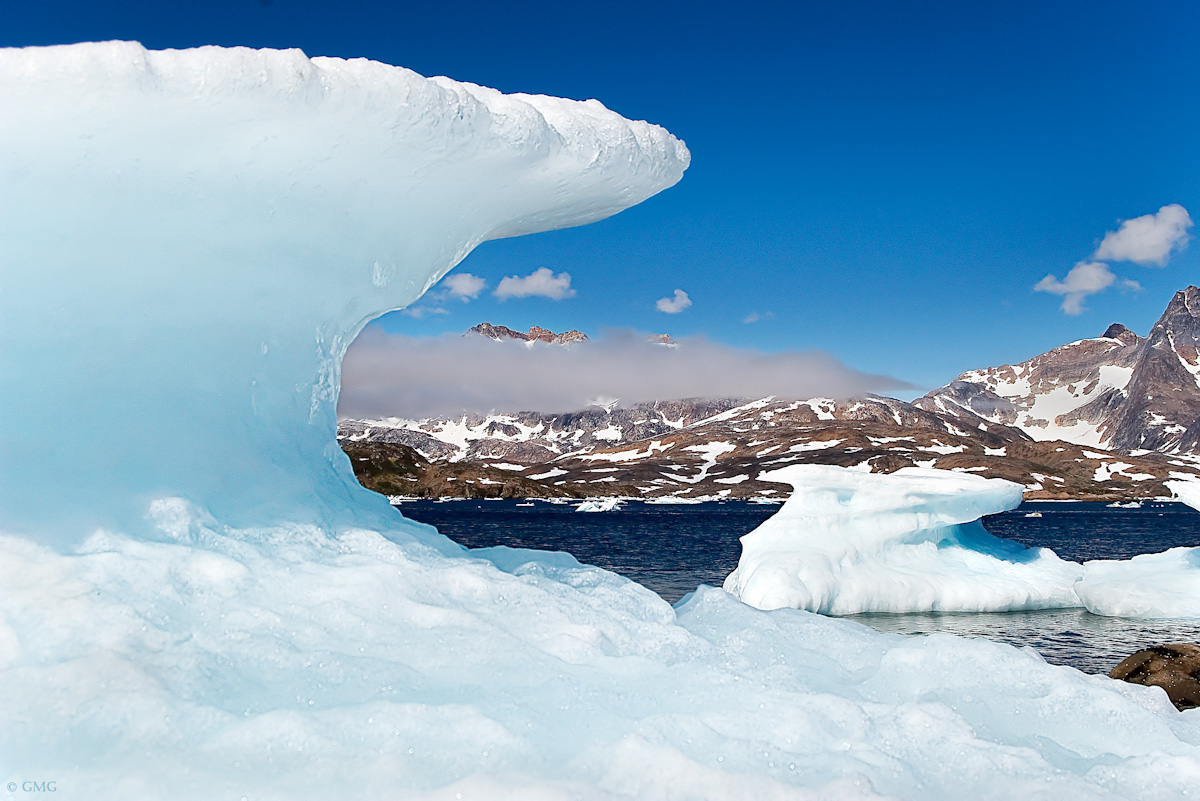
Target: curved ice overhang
[{"x": 189, "y": 240}]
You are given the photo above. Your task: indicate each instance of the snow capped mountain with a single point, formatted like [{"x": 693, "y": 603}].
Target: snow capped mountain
[
  {"x": 693, "y": 449},
  {"x": 534, "y": 437},
  {"x": 1110, "y": 418},
  {"x": 535, "y": 334},
  {"x": 1118, "y": 391}
]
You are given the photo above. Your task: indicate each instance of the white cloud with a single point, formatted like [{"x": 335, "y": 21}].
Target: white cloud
[
  {"x": 421, "y": 312},
  {"x": 464, "y": 286},
  {"x": 754, "y": 317},
  {"x": 387, "y": 374},
  {"x": 1086, "y": 278},
  {"x": 1149, "y": 239},
  {"x": 541, "y": 283},
  {"x": 674, "y": 305}
]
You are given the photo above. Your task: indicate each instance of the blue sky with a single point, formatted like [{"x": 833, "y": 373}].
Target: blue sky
[{"x": 885, "y": 182}]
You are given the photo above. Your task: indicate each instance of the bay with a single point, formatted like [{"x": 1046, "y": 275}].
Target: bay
[{"x": 671, "y": 549}]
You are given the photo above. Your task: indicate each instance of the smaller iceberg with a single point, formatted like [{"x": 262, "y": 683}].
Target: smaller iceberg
[
  {"x": 848, "y": 542},
  {"x": 600, "y": 505},
  {"x": 1148, "y": 587},
  {"x": 1152, "y": 586}
]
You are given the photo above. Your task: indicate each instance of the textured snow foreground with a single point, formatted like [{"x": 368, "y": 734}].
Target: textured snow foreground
[
  {"x": 198, "y": 601},
  {"x": 911, "y": 541}
]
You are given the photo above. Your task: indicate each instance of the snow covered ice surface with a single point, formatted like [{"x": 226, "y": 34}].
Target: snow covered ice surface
[
  {"x": 198, "y": 601},
  {"x": 847, "y": 542},
  {"x": 1150, "y": 586},
  {"x": 1158, "y": 585}
]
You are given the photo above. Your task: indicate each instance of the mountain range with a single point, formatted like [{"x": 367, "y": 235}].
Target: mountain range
[{"x": 1108, "y": 418}]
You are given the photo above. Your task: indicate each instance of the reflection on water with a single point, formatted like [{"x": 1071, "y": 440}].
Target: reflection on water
[
  {"x": 672, "y": 549},
  {"x": 1075, "y": 637}
]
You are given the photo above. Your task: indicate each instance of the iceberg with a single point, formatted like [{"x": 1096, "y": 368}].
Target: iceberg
[
  {"x": 197, "y": 600},
  {"x": 191, "y": 240},
  {"x": 1151, "y": 586},
  {"x": 848, "y": 541},
  {"x": 602, "y": 505}
]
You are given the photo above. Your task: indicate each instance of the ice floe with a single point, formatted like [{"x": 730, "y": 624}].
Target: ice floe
[{"x": 848, "y": 541}]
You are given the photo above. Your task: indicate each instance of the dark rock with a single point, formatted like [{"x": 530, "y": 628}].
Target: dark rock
[
  {"x": 1114, "y": 331},
  {"x": 395, "y": 469},
  {"x": 1175, "y": 668}
]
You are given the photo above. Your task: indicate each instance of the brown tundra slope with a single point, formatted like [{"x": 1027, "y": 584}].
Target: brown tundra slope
[{"x": 1109, "y": 419}]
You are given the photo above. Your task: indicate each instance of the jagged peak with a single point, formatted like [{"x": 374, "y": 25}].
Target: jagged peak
[
  {"x": 1186, "y": 300},
  {"x": 1181, "y": 320},
  {"x": 535, "y": 334}
]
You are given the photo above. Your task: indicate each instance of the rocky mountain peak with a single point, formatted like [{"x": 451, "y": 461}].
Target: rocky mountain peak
[
  {"x": 1118, "y": 391},
  {"x": 1114, "y": 331},
  {"x": 1180, "y": 323},
  {"x": 1121, "y": 334},
  {"x": 536, "y": 334}
]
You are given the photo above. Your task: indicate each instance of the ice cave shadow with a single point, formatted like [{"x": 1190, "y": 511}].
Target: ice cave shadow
[{"x": 974, "y": 537}]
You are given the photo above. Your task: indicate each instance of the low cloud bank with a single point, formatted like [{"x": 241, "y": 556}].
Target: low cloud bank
[{"x": 387, "y": 375}]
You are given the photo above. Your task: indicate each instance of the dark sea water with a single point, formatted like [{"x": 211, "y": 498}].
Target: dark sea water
[{"x": 673, "y": 549}]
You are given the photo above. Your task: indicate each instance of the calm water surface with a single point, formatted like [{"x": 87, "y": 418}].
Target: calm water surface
[{"x": 673, "y": 549}]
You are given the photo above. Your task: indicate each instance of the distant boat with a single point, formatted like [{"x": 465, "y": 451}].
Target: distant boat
[
  {"x": 524, "y": 504},
  {"x": 600, "y": 505},
  {"x": 1033, "y": 514}
]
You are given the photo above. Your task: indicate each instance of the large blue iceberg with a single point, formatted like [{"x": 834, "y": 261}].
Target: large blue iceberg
[
  {"x": 191, "y": 239},
  {"x": 197, "y": 601}
]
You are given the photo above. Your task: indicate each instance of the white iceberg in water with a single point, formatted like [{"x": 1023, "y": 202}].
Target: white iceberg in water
[
  {"x": 847, "y": 541},
  {"x": 1155, "y": 586},
  {"x": 198, "y": 601},
  {"x": 601, "y": 505},
  {"x": 1150, "y": 586}
]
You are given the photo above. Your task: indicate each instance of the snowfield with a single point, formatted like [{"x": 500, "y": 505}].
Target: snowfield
[{"x": 221, "y": 611}]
